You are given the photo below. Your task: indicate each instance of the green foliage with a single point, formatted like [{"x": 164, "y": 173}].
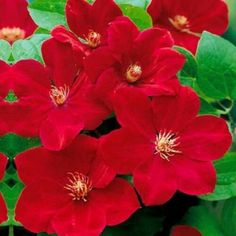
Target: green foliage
[
  {"x": 226, "y": 179},
  {"x": 47, "y": 14},
  {"x": 216, "y": 58},
  {"x": 229, "y": 216},
  {"x": 29, "y": 48},
  {"x": 138, "y": 3},
  {"x": 204, "y": 220},
  {"x": 5, "y": 51},
  {"x": 138, "y": 15}
]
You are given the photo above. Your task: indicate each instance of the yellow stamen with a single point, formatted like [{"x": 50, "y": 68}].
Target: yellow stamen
[
  {"x": 166, "y": 144},
  {"x": 79, "y": 186},
  {"x": 12, "y": 34}
]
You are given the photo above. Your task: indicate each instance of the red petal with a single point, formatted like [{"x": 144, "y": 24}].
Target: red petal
[
  {"x": 173, "y": 113},
  {"x": 36, "y": 163},
  {"x": 101, "y": 174},
  {"x": 77, "y": 14},
  {"x": 80, "y": 219},
  {"x": 194, "y": 177},
  {"x": 102, "y": 16},
  {"x": 55, "y": 55},
  {"x": 125, "y": 150},
  {"x": 133, "y": 110},
  {"x": 184, "y": 230},
  {"x": 38, "y": 204},
  {"x": 155, "y": 181},
  {"x": 3, "y": 164},
  {"x": 206, "y": 138},
  {"x": 60, "y": 128},
  {"x": 97, "y": 62},
  {"x": 61, "y": 34},
  {"x": 121, "y": 35},
  {"x": 118, "y": 200}
]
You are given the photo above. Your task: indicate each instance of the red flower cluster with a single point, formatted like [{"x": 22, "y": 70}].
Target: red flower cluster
[{"x": 104, "y": 64}]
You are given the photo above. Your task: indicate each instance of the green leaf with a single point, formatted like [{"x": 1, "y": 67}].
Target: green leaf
[
  {"x": 25, "y": 49},
  {"x": 204, "y": 220},
  {"x": 5, "y": 51},
  {"x": 226, "y": 179},
  {"x": 47, "y": 14},
  {"x": 145, "y": 222},
  {"x": 229, "y": 216},
  {"x": 138, "y": 15},
  {"x": 138, "y": 3},
  {"x": 216, "y": 58},
  {"x": 12, "y": 144}
]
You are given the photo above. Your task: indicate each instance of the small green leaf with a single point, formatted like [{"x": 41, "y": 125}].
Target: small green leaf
[
  {"x": 47, "y": 14},
  {"x": 5, "y": 51},
  {"x": 216, "y": 58},
  {"x": 25, "y": 49},
  {"x": 226, "y": 179},
  {"x": 138, "y": 3},
  {"x": 138, "y": 15}
]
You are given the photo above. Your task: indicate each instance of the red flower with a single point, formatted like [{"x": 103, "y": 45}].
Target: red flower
[
  {"x": 186, "y": 20},
  {"x": 142, "y": 60},
  {"x": 15, "y": 21},
  {"x": 3, "y": 208},
  {"x": 71, "y": 192},
  {"x": 88, "y": 22},
  {"x": 55, "y": 101},
  {"x": 165, "y": 145},
  {"x": 183, "y": 230}
]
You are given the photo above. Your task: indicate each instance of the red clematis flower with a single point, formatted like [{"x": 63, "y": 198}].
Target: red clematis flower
[
  {"x": 142, "y": 60},
  {"x": 71, "y": 192},
  {"x": 186, "y": 20},
  {"x": 87, "y": 22},
  {"x": 3, "y": 208},
  {"x": 56, "y": 101},
  {"x": 15, "y": 21},
  {"x": 184, "y": 230},
  {"x": 165, "y": 145}
]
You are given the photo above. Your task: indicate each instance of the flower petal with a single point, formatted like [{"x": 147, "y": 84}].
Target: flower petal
[
  {"x": 155, "y": 181},
  {"x": 184, "y": 230},
  {"x": 173, "y": 113},
  {"x": 38, "y": 203},
  {"x": 194, "y": 177},
  {"x": 124, "y": 150},
  {"x": 118, "y": 200},
  {"x": 206, "y": 138},
  {"x": 80, "y": 219}
]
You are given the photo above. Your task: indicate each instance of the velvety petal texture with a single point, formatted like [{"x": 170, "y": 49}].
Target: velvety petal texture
[
  {"x": 186, "y": 20},
  {"x": 71, "y": 192},
  {"x": 165, "y": 144}
]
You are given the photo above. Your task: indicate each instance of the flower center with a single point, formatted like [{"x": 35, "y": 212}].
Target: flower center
[
  {"x": 133, "y": 73},
  {"x": 79, "y": 186},
  {"x": 93, "y": 39},
  {"x": 11, "y": 34},
  {"x": 166, "y": 145},
  {"x": 59, "y": 94},
  {"x": 180, "y": 22}
]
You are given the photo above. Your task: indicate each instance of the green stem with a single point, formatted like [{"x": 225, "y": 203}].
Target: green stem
[{"x": 11, "y": 230}]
